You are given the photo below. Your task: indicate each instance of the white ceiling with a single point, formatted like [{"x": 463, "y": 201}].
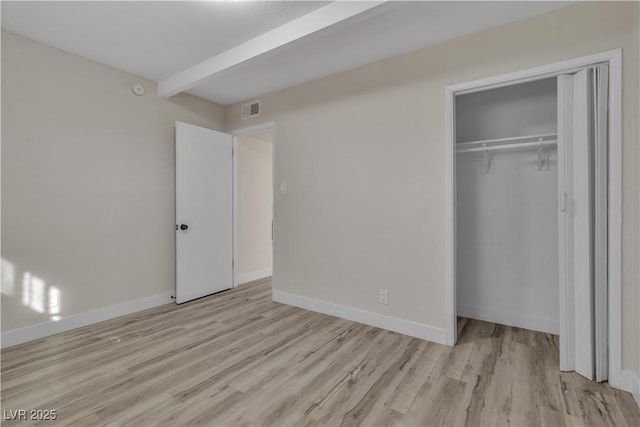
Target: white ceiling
[{"x": 156, "y": 39}]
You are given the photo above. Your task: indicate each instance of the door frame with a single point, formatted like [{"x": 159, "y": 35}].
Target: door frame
[
  {"x": 270, "y": 126},
  {"x": 614, "y": 257}
]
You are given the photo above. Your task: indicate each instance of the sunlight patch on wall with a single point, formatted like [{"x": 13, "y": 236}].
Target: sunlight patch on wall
[
  {"x": 8, "y": 277},
  {"x": 54, "y": 301},
  {"x": 39, "y": 297},
  {"x": 33, "y": 289}
]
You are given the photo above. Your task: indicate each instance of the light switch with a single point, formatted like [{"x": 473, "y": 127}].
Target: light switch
[{"x": 283, "y": 188}]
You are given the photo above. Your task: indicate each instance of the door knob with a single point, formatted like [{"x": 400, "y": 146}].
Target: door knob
[{"x": 184, "y": 227}]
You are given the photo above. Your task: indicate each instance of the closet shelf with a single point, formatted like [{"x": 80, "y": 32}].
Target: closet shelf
[{"x": 507, "y": 143}]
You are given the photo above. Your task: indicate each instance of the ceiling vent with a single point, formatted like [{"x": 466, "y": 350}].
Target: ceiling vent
[{"x": 251, "y": 109}]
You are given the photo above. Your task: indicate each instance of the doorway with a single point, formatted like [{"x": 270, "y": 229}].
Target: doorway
[
  {"x": 567, "y": 299},
  {"x": 224, "y": 208},
  {"x": 253, "y": 204}
]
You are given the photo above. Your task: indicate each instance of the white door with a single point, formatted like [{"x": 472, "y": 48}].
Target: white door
[
  {"x": 582, "y": 216},
  {"x": 601, "y": 219},
  {"x": 582, "y": 171},
  {"x": 204, "y": 216}
]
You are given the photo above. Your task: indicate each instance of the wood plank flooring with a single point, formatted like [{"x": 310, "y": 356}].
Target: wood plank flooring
[{"x": 237, "y": 358}]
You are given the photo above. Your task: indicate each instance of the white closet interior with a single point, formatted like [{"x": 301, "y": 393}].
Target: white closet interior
[{"x": 506, "y": 202}]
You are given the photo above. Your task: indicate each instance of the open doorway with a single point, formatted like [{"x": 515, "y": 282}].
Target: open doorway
[
  {"x": 224, "y": 208},
  {"x": 253, "y": 206}
]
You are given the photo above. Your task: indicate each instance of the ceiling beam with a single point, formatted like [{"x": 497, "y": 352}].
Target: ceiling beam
[{"x": 291, "y": 31}]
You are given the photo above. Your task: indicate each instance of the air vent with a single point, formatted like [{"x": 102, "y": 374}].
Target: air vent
[{"x": 251, "y": 109}]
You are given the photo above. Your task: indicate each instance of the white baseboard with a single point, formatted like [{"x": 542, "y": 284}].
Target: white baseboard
[
  {"x": 41, "y": 330},
  {"x": 630, "y": 383},
  {"x": 519, "y": 320},
  {"x": 254, "y": 275},
  {"x": 406, "y": 327}
]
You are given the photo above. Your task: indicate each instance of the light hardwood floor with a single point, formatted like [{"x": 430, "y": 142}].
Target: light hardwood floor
[{"x": 237, "y": 358}]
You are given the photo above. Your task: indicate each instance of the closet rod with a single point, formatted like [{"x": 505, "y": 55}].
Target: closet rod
[
  {"x": 505, "y": 146},
  {"x": 510, "y": 139}
]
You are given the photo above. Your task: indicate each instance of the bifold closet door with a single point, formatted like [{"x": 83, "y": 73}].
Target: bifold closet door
[{"x": 582, "y": 159}]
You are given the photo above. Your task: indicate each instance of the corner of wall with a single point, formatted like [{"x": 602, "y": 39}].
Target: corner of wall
[{"x": 631, "y": 383}]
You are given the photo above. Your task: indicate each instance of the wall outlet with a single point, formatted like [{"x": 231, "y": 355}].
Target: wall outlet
[{"x": 384, "y": 296}]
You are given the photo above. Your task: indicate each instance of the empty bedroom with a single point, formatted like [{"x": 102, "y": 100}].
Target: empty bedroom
[{"x": 320, "y": 213}]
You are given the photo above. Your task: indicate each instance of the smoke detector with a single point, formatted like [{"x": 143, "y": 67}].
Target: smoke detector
[{"x": 137, "y": 89}]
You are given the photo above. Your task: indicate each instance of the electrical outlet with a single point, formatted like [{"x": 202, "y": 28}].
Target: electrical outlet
[{"x": 384, "y": 296}]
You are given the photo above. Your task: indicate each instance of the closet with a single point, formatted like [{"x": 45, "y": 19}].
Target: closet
[
  {"x": 507, "y": 205},
  {"x": 532, "y": 181}
]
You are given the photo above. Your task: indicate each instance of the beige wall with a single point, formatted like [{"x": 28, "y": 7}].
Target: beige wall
[
  {"x": 88, "y": 201},
  {"x": 363, "y": 155},
  {"x": 255, "y": 195}
]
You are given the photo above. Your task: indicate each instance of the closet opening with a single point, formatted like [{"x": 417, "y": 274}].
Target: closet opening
[
  {"x": 535, "y": 228},
  {"x": 507, "y": 223}
]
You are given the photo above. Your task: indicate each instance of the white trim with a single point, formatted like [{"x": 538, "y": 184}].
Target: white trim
[
  {"x": 615, "y": 217},
  {"x": 535, "y": 73},
  {"x": 241, "y": 279},
  {"x": 41, "y": 330},
  {"x": 450, "y": 204},
  {"x": 631, "y": 383},
  {"x": 234, "y": 196},
  {"x": 406, "y": 327},
  {"x": 270, "y": 126},
  {"x": 254, "y": 129},
  {"x": 614, "y": 58},
  {"x": 283, "y": 35},
  {"x": 518, "y": 319}
]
